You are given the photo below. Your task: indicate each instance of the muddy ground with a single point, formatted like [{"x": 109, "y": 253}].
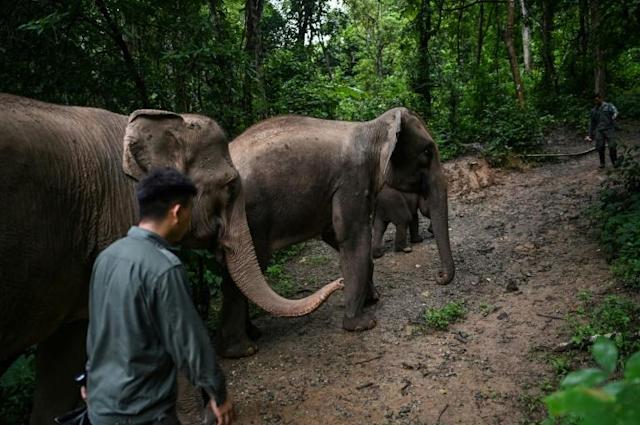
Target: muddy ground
[{"x": 523, "y": 252}]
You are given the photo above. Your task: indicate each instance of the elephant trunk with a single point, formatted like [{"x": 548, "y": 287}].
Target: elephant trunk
[
  {"x": 439, "y": 212},
  {"x": 243, "y": 267}
]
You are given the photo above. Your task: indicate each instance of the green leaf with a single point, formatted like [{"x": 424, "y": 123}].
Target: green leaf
[
  {"x": 628, "y": 401},
  {"x": 632, "y": 368},
  {"x": 584, "y": 378},
  {"x": 605, "y": 354},
  {"x": 613, "y": 388},
  {"x": 592, "y": 405}
]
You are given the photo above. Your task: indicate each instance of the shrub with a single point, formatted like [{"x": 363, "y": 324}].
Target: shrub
[
  {"x": 16, "y": 391},
  {"x": 614, "y": 316},
  {"x": 617, "y": 217},
  {"x": 504, "y": 130},
  {"x": 590, "y": 397}
]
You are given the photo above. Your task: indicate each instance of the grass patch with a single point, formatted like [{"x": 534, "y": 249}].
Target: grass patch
[
  {"x": 441, "y": 318},
  {"x": 615, "y": 316},
  {"x": 486, "y": 309},
  {"x": 318, "y": 260}
]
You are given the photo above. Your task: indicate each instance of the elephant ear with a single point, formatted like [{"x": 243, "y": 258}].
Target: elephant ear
[
  {"x": 151, "y": 141},
  {"x": 389, "y": 142}
]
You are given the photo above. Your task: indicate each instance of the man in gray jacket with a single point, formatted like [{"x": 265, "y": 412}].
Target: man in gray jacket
[
  {"x": 602, "y": 129},
  {"x": 143, "y": 326}
]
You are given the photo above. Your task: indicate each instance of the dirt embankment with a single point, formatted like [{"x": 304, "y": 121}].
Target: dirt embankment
[{"x": 522, "y": 252}]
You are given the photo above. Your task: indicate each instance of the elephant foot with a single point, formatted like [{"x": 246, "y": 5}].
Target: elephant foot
[
  {"x": 377, "y": 253},
  {"x": 238, "y": 348},
  {"x": 372, "y": 296},
  {"x": 360, "y": 323},
  {"x": 416, "y": 239},
  {"x": 253, "y": 332}
]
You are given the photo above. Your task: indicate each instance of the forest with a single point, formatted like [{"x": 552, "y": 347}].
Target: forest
[
  {"x": 495, "y": 80},
  {"x": 460, "y": 64}
]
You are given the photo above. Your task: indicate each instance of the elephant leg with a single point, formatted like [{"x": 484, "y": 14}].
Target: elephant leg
[
  {"x": 352, "y": 226},
  {"x": 379, "y": 227},
  {"x": 329, "y": 237},
  {"x": 233, "y": 338},
  {"x": 58, "y": 359},
  {"x": 357, "y": 270},
  {"x": 400, "y": 241},
  {"x": 414, "y": 231}
]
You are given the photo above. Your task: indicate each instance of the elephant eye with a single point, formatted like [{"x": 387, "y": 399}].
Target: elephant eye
[{"x": 232, "y": 187}]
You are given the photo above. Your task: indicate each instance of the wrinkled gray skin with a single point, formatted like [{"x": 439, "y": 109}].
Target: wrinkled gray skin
[
  {"x": 401, "y": 209},
  {"x": 67, "y": 193},
  {"x": 307, "y": 177}
]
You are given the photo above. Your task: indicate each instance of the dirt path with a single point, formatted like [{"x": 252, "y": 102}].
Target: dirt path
[{"x": 529, "y": 232}]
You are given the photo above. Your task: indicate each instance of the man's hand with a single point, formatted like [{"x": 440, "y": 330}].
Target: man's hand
[
  {"x": 224, "y": 413},
  {"x": 83, "y": 393},
  {"x": 588, "y": 139}
]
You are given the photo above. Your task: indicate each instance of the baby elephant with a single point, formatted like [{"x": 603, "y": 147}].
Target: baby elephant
[{"x": 401, "y": 209}]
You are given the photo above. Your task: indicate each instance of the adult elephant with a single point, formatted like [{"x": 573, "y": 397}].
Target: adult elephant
[
  {"x": 67, "y": 182},
  {"x": 306, "y": 177}
]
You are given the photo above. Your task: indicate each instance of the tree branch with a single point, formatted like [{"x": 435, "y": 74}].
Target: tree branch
[
  {"x": 116, "y": 35},
  {"x": 473, "y": 3}
]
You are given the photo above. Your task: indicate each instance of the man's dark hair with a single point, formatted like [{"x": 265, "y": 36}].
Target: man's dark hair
[
  {"x": 161, "y": 189},
  {"x": 597, "y": 94}
]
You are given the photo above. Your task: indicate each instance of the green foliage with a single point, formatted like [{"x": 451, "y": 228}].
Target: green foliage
[
  {"x": 561, "y": 365},
  {"x": 16, "y": 391},
  {"x": 617, "y": 217},
  {"x": 505, "y": 130},
  {"x": 592, "y": 397},
  {"x": 615, "y": 316},
  {"x": 202, "y": 268},
  {"x": 276, "y": 273},
  {"x": 441, "y": 318}
]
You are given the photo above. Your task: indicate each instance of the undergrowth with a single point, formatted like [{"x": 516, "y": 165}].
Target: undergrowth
[
  {"x": 599, "y": 395},
  {"x": 617, "y": 219},
  {"x": 441, "y": 318},
  {"x": 16, "y": 391},
  {"x": 602, "y": 396}
]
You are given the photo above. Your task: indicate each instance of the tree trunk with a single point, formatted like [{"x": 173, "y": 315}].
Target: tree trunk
[
  {"x": 549, "y": 76},
  {"x": 216, "y": 16},
  {"x": 480, "y": 35},
  {"x": 253, "y": 86},
  {"x": 422, "y": 84},
  {"x": 526, "y": 37},
  {"x": 511, "y": 50},
  {"x": 599, "y": 65},
  {"x": 116, "y": 35}
]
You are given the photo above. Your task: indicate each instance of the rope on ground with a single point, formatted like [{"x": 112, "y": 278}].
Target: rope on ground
[{"x": 557, "y": 154}]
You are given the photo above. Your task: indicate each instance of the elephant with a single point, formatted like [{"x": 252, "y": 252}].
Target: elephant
[
  {"x": 67, "y": 185},
  {"x": 308, "y": 177},
  {"x": 401, "y": 209}
]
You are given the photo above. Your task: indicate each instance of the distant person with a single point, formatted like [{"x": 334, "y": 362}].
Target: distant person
[
  {"x": 143, "y": 326},
  {"x": 602, "y": 129}
]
